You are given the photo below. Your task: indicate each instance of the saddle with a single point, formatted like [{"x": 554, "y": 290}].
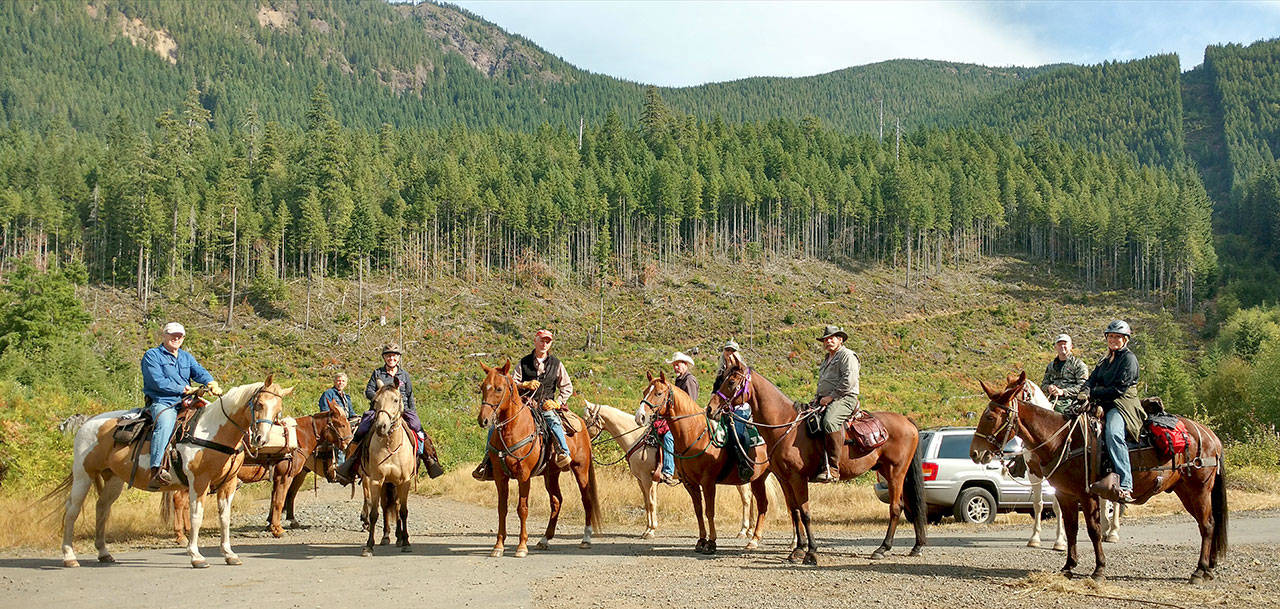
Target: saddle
[
  {"x": 135, "y": 430},
  {"x": 864, "y": 432},
  {"x": 573, "y": 424}
]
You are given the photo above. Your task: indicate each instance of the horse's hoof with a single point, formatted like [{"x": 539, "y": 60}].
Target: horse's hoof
[
  {"x": 522, "y": 552},
  {"x": 585, "y": 545},
  {"x": 182, "y": 542},
  {"x": 277, "y": 532},
  {"x": 496, "y": 553},
  {"x": 1059, "y": 547},
  {"x": 71, "y": 563},
  {"x": 542, "y": 545},
  {"x": 1068, "y": 574},
  {"x": 878, "y": 554},
  {"x": 234, "y": 561},
  {"x": 199, "y": 564},
  {"x": 1098, "y": 577},
  {"x": 916, "y": 551},
  {"x": 710, "y": 548},
  {"x": 106, "y": 558},
  {"x": 796, "y": 555},
  {"x": 1196, "y": 580},
  {"x": 647, "y": 535},
  {"x": 742, "y": 534},
  {"x": 811, "y": 558},
  {"x": 406, "y": 548},
  {"x": 1034, "y": 543},
  {"x": 1111, "y": 538},
  {"x": 295, "y": 525},
  {"x": 386, "y": 541},
  {"x": 753, "y": 544},
  {"x": 700, "y": 547},
  {"x": 366, "y": 552}
]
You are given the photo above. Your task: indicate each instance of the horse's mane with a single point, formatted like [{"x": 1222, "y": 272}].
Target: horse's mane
[
  {"x": 1037, "y": 397},
  {"x": 236, "y": 397},
  {"x": 681, "y": 400}
]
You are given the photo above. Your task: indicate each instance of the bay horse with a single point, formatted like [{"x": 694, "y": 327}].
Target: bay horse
[
  {"x": 643, "y": 460},
  {"x": 701, "y": 464},
  {"x": 389, "y": 462},
  {"x": 287, "y": 474},
  {"x": 210, "y": 458},
  {"x": 1199, "y": 481},
  {"x": 794, "y": 458},
  {"x": 515, "y": 451}
]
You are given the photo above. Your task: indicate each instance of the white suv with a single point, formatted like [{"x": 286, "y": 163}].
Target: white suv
[{"x": 955, "y": 485}]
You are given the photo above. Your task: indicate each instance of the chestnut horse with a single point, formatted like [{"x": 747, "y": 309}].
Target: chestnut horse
[
  {"x": 699, "y": 462},
  {"x": 210, "y": 458},
  {"x": 794, "y": 457},
  {"x": 515, "y": 450},
  {"x": 1198, "y": 481},
  {"x": 389, "y": 466},
  {"x": 286, "y": 474}
]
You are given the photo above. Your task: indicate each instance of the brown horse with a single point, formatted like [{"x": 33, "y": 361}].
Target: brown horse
[
  {"x": 794, "y": 457},
  {"x": 699, "y": 462},
  {"x": 286, "y": 474},
  {"x": 515, "y": 450},
  {"x": 1198, "y": 481}
]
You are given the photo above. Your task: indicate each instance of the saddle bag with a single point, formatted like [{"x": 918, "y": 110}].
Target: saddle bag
[
  {"x": 1168, "y": 433},
  {"x": 865, "y": 432}
]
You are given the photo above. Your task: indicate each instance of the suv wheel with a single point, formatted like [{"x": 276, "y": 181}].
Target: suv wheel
[{"x": 975, "y": 505}]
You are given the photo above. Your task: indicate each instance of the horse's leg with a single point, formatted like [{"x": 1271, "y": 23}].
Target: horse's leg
[
  {"x": 108, "y": 492},
  {"x": 1059, "y": 542},
  {"x": 744, "y": 493},
  {"x": 1092, "y": 523},
  {"x": 294, "y": 487},
  {"x": 552, "y": 480},
  {"x": 177, "y": 503},
  {"x": 225, "y": 496},
  {"x": 709, "y": 504},
  {"x": 1037, "y": 495},
  {"x": 522, "y": 510},
  {"x": 895, "y": 475},
  {"x": 695, "y": 494},
  {"x": 647, "y": 490},
  {"x": 80, "y": 483},
  {"x": 388, "y": 513},
  {"x": 802, "y": 503},
  {"x": 372, "y": 505},
  {"x": 195, "y": 499},
  {"x": 788, "y": 494},
  {"x": 279, "y": 489},
  {"x": 504, "y": 490},
  {"x": 590, "y": 497},
  {"x": 1196, "y": 498},
  {"x": 1071, "y": 525},
  {"x": 402, "y": 528},
  {"x": 1111, "y": 521},
  {"x": 760, "y": 493}
]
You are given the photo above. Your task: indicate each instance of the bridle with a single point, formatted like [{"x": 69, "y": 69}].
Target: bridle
[
  {"x": 741, "y": 395},
  {"x": 256, "y": 405},
  {"x": 1008, "y": 430}
]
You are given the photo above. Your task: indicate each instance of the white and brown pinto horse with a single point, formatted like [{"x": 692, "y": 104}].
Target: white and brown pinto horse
[{"x": 210, "y": 458}]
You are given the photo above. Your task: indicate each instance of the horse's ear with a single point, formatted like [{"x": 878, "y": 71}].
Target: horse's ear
[
  {"x": 663, "y": 377},
  {"x": 485, "y": 368},
  {"x": 271, "y": 377},
  {"x": 378, "y": 383},
  {"x": 506, "y": 368},
  {"x": 986, "y": 389},
  {"x": 1022, "y": 378},
  {"x": 396, "y": 381},
  {"x": 649, "y": 373},
  {"x": 286, "y": 391}
]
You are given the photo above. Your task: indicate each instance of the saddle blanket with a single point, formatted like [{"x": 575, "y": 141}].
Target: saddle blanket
[{"x": 721, "y": 432}]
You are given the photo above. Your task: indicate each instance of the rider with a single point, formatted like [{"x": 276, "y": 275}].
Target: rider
[
  {"x": 680, "y": 365},
  {"x": 338, "y": 398},
  {"x": 1064, "y": 376},
  {"x": 730, "y": 355},
  {"x": 551, "y": 391},
  {"x": 387, "y": 374},
  {"x": 167, "y": 373},
  {"x": 838, "y": 392},
  {"x": 1113, "y": 386}
]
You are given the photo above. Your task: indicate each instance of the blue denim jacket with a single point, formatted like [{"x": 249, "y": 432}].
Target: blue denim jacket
[
  {"x": 165, "y": 375},
  {"x": 333, "y": 396}
]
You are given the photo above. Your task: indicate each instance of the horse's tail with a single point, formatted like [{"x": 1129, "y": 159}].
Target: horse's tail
[
  {"x": 52, "y": 498},
  {"x": 773, "y": 490},
  {"x": 1220, "y": 511},
  {"x": 594, "y": 518},
  {"x": 166, "y": 508},
  {"x": 914, "y": 492}
]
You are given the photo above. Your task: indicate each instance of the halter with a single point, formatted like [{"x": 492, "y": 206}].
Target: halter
[
  {"x": 743, "y": 392},
  {"x": 254, "y": 406},
  {"x": 1008, "y": 430}
]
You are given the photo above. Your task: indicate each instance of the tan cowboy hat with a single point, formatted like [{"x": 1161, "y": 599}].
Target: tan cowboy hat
[
  {"x": 391, "y": 348},
  {"x": 679, "y": 356},
  {"x": 830, "y": 331}
]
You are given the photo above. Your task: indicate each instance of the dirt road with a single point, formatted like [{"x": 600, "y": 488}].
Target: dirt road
[{"x": 320, "y": 566}]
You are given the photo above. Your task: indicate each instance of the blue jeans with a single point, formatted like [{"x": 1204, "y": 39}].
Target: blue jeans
[
  {"x": 166, "y": 418},
  {"x": 1117, "y": 448},
  {"x": 668, "y": 454},
  {"x": 739, "y": 430},
  {"x": 557, "y": 429}
]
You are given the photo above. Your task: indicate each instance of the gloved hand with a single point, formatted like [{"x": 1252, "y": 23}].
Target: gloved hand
[
  {"x": 550, "y": 404},
  {"x": 214, "y": 388},
  {"x": 530, "y": 385}
]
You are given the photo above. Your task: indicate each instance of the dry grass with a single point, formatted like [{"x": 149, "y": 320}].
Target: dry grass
[{"x": 1041, "y": 583}]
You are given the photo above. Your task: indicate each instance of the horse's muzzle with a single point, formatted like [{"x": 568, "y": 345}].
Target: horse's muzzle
[{"x": 981, "y": 457}]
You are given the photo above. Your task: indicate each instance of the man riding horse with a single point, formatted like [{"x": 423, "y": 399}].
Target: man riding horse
[
  {"x": 838, "y": 379},
  {"x": 386, "y": 375},
  {"x": 1064, "y": 376},
  {"x": 1113, "y": 386},
  {"x": 167, "y": 375}
]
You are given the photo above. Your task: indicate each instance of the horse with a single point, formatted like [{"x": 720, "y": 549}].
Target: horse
[
  {"x": 700, "y": 464},
  {"x": 515, "y": 451},
  {"x": 389, "y": 461},
  {"x": 287, "y": 474},
  {"x": 210, "y": 458},
  {"x": 794, "y": 458},
  {"x": 1199, "y": 481},
  {"x": 644, "y": 459}
]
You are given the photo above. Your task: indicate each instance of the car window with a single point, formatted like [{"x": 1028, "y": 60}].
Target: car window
[
  {"x": 955, "y": 446},
  {"x": 924, "y": 443},
  {"x": 1013, "y": 446}
]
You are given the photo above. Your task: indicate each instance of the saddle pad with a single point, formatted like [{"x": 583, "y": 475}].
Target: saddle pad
[
  {"x": 281, "y": 438},
  {"x": 720, "y": 433},
  {"x": 572, "y": 422}
]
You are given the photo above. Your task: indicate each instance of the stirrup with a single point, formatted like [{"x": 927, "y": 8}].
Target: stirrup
[
  {"x": 159, "y": 480},
  {"x": 563, "y": 460},
  {"x": 482, "y": 472}
]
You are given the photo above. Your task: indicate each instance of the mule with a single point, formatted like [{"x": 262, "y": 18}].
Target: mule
[
  {"x": 794, "y": 457},
  {"x": 210, "y": 458},
  {"x": 515, "y": 450},
  {"x": 1197, "y": 478},
  {"x": 388, "y": 466},
  {"x": 644, "y": 459},
  {"x": 701, "y": 464},
  {"x": 287, "y": 474}
]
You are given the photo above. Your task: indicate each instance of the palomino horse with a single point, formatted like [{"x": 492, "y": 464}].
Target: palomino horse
[
  {"x": 794, "y": 458},
  {"x": 210, "y": 458},
  {"x": 644, "y": 459},
  {"x": 389, "y": 463},
  {"x": 515, "y": 450},
  {"x": 1198, "y": 480},
  {"x": 701, "y": 463},
  {"x": 286, "y": 474}
]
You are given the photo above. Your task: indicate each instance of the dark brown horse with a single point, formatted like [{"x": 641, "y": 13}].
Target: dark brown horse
[
  {"x": 794, "y": 458},
  {"x": 1196, "y": 478},
  {"x": 515, "y": 449},
  {"x": 699, "y": 462},
  {"x": 286, "y": 474}
]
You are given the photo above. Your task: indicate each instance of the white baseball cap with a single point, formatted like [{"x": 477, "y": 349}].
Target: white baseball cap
[
  {"x": 1062, "y": 337},
  {"x": 174, "y": 327}
]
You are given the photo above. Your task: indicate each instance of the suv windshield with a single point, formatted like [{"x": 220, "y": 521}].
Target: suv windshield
[{"x": 955, "y": 446}]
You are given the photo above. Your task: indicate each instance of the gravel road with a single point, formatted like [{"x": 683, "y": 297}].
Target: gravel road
[{"x": 320, "y": 566}]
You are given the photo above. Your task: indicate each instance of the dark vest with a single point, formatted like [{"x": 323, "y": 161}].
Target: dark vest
[{"x": 549, "y": 382}]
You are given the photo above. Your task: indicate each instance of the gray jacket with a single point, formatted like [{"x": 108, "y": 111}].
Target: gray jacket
[
  {"x": 1069, "y": 377},
  {"x": 838, "y": 375}
]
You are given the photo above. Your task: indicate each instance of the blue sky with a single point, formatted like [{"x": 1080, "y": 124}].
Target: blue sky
[{"x": 686, "y": 43}]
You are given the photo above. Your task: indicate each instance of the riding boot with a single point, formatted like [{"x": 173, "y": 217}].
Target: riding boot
[
  {"x": 434, "y": 469},
  {"x": 563, "y": 460},
  {"x": 483, "y": 472},
  {"x": 159, "y": 479},
  {"x": 834, "y": 445},
  {"x": 346, "y": 473}
]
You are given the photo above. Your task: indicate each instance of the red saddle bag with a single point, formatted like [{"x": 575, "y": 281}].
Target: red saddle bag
[{"x": 1169, "y": 434}]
